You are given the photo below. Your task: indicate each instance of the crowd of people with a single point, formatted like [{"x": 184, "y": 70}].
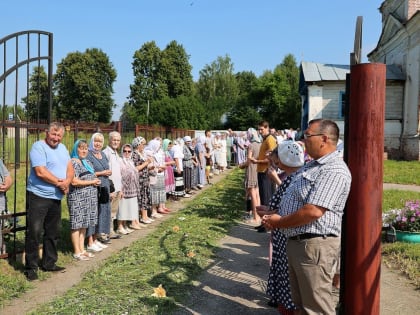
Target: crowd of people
[
  {"x": 112, "y": 189},
  {"x": 296, "y": 182}
]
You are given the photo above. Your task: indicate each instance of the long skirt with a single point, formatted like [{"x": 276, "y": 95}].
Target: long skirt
[
  {"x": 179, "y": 185},
  {"x": 157, "y": 191},
  {"x": 169, "y": 177},
  {"x": 188, "y": 178},
  {"x": 128, "y": 209}
]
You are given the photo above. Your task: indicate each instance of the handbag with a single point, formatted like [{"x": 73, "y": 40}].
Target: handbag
[{"x": 103, "y": 194}]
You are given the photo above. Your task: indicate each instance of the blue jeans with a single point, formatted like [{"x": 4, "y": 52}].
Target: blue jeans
[{"x": 44, "y": 217}]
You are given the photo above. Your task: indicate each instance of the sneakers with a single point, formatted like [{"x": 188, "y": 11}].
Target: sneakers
[
  {"x": 187, "y": 195},
  {"x": 122, "y": 231},
  {"x": 114, "y": 236},
  {"x": 128, "y": 230},
  {"x": 157, "y": 216},
  {"x": 80, "y": 257},
  {"x": 104, "y": 239},
  {"x": 146, "y": 221},
  {"x": 94, "y": 248},
  {"x": 31, "y": 275},
  {"x": 100, "y": 244}
]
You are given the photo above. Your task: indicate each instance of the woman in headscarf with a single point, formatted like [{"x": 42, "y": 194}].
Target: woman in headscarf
[
  {"x": 251, "y": 176},
  {"x": 157, "y": 188},
  {"x": 188, "y": 164},
  {"x": 169, "y": 171},
  {"x": 289, "y": 157},
  {"x": 128, "y": 206},
  {"x": 142, "y": 164},
  {"x": 82, "y": 199},
  {"x": 178, "y": 155},
  {"x": 99, "y": 235},
  {"x": 200, "y": 152}
]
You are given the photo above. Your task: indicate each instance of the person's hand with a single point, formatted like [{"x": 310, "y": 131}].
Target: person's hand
[
  {"x": 262, "y": 210},
  {"x": 63, "y": 185},
  {"x": 272, "y": 173},
  {"x": 97, "y": 182},
  {"x": 269, "y": 221},
  {"x": 107, "y": 172},
  {"x": 3, "y": 188}
]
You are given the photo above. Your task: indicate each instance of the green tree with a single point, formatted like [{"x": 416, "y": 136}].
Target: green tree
[
  {"x": 176, "y": 70},
  {"x": 244, "y": 113},
  {"x": 181, "y": 112},
  {"x": 217, "y": 89},
  {"x": 84, "y": 85},
  {"x": 148, "y": 82},
  {"x": 36, "y": 103},
  {"x": 279, "y": 95}
]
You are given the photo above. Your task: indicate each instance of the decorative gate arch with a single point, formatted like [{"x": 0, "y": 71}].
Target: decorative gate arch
[{"x": 18, "y": 53}]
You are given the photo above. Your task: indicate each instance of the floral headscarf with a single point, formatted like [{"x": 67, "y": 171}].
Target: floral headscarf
[{"x": 137, "y": 141}]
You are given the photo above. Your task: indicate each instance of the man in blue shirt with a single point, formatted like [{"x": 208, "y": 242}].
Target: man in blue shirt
[{"x": 49, "y": 180}]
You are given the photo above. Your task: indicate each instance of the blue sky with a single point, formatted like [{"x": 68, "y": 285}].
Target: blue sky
[{"x": 255, "y": 34}]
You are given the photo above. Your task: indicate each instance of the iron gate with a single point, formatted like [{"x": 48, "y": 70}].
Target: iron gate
[{"x": 20, "y": 53}]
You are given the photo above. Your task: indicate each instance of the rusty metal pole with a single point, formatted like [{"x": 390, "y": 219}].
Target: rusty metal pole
[{"x": 363, "y": 223}]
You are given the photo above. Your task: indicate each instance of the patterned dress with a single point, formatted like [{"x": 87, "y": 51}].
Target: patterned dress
[
  {"x": 104, "y": 209},
  {"x": 278, "y": 285},
  {"x": 143, "y": 194},
  {"x": 251, "y": 177},
  {"x": 82, "y": 200},
  {"x": 128, "y": 207}
]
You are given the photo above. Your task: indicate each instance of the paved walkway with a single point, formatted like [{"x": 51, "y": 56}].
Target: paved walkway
[{"x": 401, "y": 187}]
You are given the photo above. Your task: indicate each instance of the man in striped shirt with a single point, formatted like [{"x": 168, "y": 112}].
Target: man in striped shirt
[{"x": 310, "y": 215}]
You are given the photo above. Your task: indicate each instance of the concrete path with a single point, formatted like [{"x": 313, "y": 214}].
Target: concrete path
[{"x": 401, "y": 187}]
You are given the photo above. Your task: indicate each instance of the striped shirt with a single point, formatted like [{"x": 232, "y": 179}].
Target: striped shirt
[{"x": 325, "y": 183}]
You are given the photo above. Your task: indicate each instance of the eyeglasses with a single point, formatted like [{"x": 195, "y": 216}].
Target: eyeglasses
[
  {"x": 307, "y": 135},
  {"x": 127, "y": 151}
]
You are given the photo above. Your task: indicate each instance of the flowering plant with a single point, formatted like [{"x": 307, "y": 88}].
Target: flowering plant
[{"x": 404, "y": 219}]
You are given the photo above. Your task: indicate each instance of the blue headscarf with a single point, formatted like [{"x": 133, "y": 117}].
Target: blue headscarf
[{"x": 75, "y": 155}]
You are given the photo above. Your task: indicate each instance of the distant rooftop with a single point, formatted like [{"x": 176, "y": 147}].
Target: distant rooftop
[{"x": 315, "y": 72}]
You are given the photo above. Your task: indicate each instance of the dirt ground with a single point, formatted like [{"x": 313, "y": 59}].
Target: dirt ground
[{"x": 234, "y": 283}]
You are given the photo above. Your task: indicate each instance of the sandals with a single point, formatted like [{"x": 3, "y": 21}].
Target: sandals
[{"x": 80, "y": 257}]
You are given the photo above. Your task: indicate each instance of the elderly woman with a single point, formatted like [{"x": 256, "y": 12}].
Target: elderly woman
[
  {"x": 169, "y": 171},
  {"x": 289, "y": 157},
  {"x": 128, "y": 206},
  {"x": 200, "y": 153},
  {"x": 251, "y": 176},
  {"x": 188, "y": 163},
  {"x": 157, "y": 188},
  {"x": 178, "y": 155},
  {"x": 82, "y": 199},
  {"x": 142, "y": 164},
  {"x": 98, "y": 235}
]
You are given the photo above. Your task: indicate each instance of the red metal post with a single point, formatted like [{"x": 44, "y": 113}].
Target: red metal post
[{"x": 363, "y": 224}]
